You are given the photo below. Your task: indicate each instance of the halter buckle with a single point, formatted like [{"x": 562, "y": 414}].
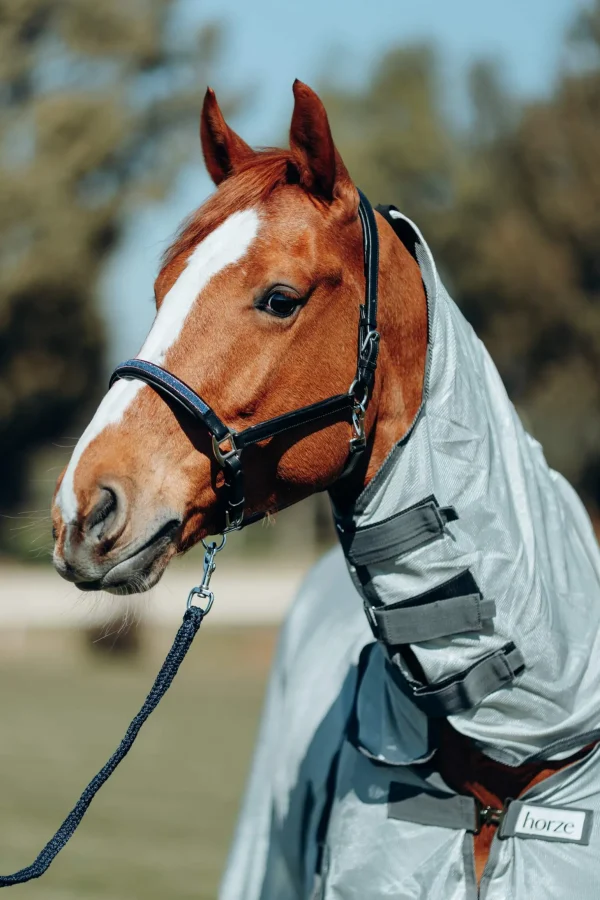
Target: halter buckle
[
  {"x": 234, "y": 522},
  {"x": 359, "y": 409},
  {"x": 371, "y": 343},
  {"x": 223, "y": 455},
  {"x": 359, "y": 441},
  {"x": 369, "y": 351}
]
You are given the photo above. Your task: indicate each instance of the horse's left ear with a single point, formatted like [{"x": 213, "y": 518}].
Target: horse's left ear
[
  {"x": 224, "y": 151},
  {"x": 321, "y": 168}
]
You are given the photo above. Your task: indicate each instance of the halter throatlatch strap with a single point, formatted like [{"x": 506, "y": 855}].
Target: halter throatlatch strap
[{"x": 229, "y": 444}]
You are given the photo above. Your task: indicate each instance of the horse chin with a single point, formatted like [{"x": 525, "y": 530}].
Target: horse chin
[
  {"x": 136, "y": 574},
  {"x": 141, "y": 583}
]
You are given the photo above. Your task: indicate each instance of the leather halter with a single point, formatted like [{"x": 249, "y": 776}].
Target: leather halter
[{"x": 228, "y": 444}]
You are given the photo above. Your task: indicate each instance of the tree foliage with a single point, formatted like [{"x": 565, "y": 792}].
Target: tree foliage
[
  {"x": 97, "y": 105},
  {"x": 511, "y": 208}
]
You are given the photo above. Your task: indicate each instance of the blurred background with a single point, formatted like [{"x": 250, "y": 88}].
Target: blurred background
[{"x": 481, "y": 122}]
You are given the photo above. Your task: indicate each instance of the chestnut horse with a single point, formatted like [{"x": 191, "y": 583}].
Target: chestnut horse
[{"x": 257, "y": 309}]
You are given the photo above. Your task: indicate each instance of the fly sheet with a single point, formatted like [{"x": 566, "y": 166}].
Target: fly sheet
[{"x": 479, "y": 574}]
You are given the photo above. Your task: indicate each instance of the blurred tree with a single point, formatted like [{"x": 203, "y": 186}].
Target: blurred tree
[
  {"x": 521, "y": 246},
  {"x": 97, "y": 104},
  {"x": 511, "y": 207},
  {"x": 393, "y": 136}
]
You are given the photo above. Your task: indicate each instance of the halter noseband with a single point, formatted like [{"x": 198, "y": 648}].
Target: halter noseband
[{"x": 229, "y": 444}]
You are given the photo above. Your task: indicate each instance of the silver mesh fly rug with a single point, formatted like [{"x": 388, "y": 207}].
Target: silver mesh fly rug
[{"x": 470, "y": 556}]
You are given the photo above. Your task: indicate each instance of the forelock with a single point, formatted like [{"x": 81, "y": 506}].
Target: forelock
[{"x": 251, "y": 185}]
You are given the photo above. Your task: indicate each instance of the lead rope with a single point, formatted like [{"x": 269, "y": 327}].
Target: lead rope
[{"x": 192, "y": 620}]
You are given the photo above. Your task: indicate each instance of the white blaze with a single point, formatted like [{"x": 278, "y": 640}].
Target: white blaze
[{"x": 222, "y": 247}]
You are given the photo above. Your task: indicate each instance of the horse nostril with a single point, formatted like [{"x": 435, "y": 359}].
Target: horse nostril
[{"x": 103, "y": 515}]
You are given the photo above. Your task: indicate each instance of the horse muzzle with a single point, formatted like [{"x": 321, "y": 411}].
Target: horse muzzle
[{"x": 95, "y": 555}]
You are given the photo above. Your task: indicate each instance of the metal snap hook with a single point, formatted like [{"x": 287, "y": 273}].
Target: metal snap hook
[{"x": 202, "y": 590}]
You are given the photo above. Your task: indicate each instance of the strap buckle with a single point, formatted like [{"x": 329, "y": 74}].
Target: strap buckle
[
  {"x": 359, "y": 409},
  {"x": 489, "y": 815},
  {"x": 221, "y": 455},
  {"x": 359, "y": 441},
  {"x": 234, "y": 517},
  {"x": 369, "y": 350},
  {"x": 367, "y": 354}
]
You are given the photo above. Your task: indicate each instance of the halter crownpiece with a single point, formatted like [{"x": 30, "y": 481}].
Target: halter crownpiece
[{"x": 229, "y": 444}]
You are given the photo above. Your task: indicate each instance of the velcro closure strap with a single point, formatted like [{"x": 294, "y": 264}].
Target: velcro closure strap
[
  {"x": 410, "y": 624},
  {"x": 411, "y": 804},
  {"x": 400, "y": 534},
  {"x": 468, "y": 688},
  {"x": 453, "y": 607}
]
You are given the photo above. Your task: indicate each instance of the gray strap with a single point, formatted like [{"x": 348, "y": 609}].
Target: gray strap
[
  {"x": 400, "y": 534},
  {"x": 465, "y": 690},
  {"x": 412, "y": 623},
  {"x": 443, "y": 810}
]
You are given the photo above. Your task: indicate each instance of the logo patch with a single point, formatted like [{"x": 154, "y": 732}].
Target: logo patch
[{"x": 547, "y": 823}]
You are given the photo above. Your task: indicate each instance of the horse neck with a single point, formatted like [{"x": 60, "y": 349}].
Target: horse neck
[{"x": 403, "y": 328}]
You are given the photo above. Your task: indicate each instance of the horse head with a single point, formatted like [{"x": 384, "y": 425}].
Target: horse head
[{"x": 257, "y": 310}]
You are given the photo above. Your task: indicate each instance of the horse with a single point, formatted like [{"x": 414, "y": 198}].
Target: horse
[{"x": 433, "y": 712}]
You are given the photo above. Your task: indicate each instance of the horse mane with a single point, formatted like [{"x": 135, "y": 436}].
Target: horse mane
[{"x": 251, "y": 184}]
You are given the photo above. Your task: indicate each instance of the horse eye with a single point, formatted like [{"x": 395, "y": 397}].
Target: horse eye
[{"x": 281, "y": 305}]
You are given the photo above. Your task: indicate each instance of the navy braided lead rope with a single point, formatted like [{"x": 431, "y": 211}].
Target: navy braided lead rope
[
  {"x": 188, "y": 629},
  {"x": 192, "y": 620}
]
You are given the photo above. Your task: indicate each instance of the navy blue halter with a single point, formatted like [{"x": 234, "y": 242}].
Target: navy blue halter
[{"x": 228, "y": 444}]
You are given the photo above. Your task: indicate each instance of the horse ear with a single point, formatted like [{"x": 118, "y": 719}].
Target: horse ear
[
  {"x": 321, "y": 168},
  {"x": 223, "y": 150}
]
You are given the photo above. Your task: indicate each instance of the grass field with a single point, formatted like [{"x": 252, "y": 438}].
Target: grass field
[{"x": 160, "y": 828}]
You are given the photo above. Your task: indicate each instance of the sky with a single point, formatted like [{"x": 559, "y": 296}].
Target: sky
[{"x": 268, "y": 44}]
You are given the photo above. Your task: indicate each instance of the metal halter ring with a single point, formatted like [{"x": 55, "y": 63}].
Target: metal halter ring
[{"x": 213, "y": 544}]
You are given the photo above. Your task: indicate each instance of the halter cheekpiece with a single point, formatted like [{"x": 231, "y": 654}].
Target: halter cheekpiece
[{"x": 228, "y": 444}]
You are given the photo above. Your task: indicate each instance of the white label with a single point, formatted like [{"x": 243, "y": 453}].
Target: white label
[{"x": 551, "y": 823}]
